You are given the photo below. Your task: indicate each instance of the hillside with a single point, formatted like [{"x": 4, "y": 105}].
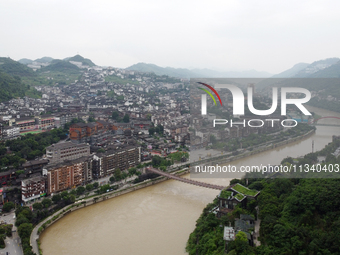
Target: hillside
[
  {"x": 151, "y": 68},
  {"x": 59, "y": 72},
  {"x": 84, "y": 61},
  {"x": 25, "y": 61},
  {"x": 315, "y": 67},
  {"x": 332, "y": 71},
  {"x": 11, "y": 87},
  {"x": 292, "y": 71},
  {"x": 12, "y": 67},
  {"x": 59, "y": 66},
  {"x": 326, "y": 92},
  {"x": 44, "y": 60},
  {"x": 195, "y": 73}
]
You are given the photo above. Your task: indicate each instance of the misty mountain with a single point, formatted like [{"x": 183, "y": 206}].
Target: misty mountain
[
  {"x": 13, "y": 68},
  {"x": 292, "y": 71},
  {"x": 78, "y": 58},
  {"x": 194, "y": 73},
  {"x": 316, "y": 67},
  {"x": 332, "y": 71},
  {"x": 151, "y": 68},
  {"x": 44, "y": 60},
  {"x": 25, "y": 61},
  {"x": 58, "y": 65}
]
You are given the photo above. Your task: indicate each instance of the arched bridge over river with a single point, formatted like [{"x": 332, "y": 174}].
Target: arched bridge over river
[
  {"x": 315, "y": 122},
  {"x": 197, "y": 183}
]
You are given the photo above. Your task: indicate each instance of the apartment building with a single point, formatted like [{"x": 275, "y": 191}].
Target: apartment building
[
  {"x": 10, "y": 132},
  {"x": 33, "y": 188},
  {"x": 91, "y": 133},
  {"x": 57, "y": 153},
  {"x": 68, "y": 174},
  {"x": 106, "y": 163}
]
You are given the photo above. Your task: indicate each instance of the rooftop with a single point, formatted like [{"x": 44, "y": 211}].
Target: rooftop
[
  {"x": 65, "y": 145},
  {"x": 244, "y": 190}
]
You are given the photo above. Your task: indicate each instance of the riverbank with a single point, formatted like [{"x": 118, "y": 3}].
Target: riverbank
[
  {"x": 39, "y": 228},
  {"x": 103, "y": 197},
  {"x": 227, "y": 158}
]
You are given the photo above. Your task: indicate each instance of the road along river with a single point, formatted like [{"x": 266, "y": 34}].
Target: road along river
[{"x": 157, "y": 219}]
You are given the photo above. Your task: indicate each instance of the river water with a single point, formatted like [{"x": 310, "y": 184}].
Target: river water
[{"x": 157, "y": 219}]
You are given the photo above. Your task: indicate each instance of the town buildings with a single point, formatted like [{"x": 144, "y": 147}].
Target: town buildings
[
  {"x": 33, "y": 188},
  {"x": 65, "y": 175},
  {"x": 58, "y": 153}
]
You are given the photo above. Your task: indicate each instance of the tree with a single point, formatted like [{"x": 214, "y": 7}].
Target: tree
[
  {"x": 8, "y": 206},
  {"x": 156, "y": 161},
  {"x": 20, "y": 220},
  {"x": 132, "y": 171},
  {"x": 37, "y": 206},
  {"x": 112, "y": 179},
  {"x": 151, "y": 131},
  {"x": 89, "y": 187},
  {"x": 72, "y": 199},
  {"x": 25, "y": 230},
  {"x": 64, "y": 194},
  {"x": 91, "y": 119},
  {"x": 46, "y": 202},
  {"x": 213, "y": 139},
  {"x": 96, "y": 185},
  {"x": 101, "y": 150},
  {"x": 115, "y": 115},
  {"x": 80, "y": 190},
  {"x": 56, "y": 198},
  {"x": 118, "y": 174},
  {"x": 126, "y": 118}
]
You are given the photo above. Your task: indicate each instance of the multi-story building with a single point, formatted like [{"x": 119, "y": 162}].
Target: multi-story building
[
  {"x": 57, "y": 153},
  {"x": 68, "y": 174},
  {"x": 33, "y": 188},
  {"x": 10, "y": 132},
  {"x": 46, "y": 121},
  {"x": 89, "y": 133},
  {"x": 65, "y": 118},
  {"x": 106, "y": 163},
  {"x": 34, "y": 166},
  {"x": 27, "y": 123}
]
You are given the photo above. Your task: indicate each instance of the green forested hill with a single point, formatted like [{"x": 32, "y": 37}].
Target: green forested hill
[
  {"x": 15, "y": 80},
  {"x": 332, "y": 71},
  {"x": 84, "y": 61},
  {"x": 11, "y": 87},
  {"x": 298, "y": 216},
  {"x": 59, "y": 66},
  {"x": 12, "y": 67}
]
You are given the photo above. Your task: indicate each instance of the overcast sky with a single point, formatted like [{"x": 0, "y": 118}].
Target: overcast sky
[{"x": 264, "y": 35}]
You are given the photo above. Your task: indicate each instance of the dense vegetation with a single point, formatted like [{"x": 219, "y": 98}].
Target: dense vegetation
[
  {"x": 84, "y": 61},
  {"x": 5, "y": 230},
  {"x": 13, "y": 77},
  {"x": 298, "y": 216},
  {"x": 26, "y": 219},
  {"x": 11, "y": 87},
  {"x": 14, "y": 68},
  {"x": 28, "y": 147},
  {"x": 177, "y": 156}
]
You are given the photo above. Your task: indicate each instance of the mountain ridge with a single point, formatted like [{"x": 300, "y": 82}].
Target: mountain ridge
[{"x": 195, "y": 73}]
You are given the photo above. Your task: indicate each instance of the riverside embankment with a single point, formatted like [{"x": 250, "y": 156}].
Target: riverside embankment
[
  {"x": 223, "y": 159},
  {"x": 39, "y": 228},
  {"x": 156, "y": 219}
]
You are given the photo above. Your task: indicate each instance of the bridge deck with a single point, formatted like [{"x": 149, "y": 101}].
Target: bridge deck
[{"x": 197, "y": 183}]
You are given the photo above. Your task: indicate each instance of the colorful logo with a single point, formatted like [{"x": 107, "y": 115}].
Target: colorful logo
[{"x": 208, "y": 92}]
